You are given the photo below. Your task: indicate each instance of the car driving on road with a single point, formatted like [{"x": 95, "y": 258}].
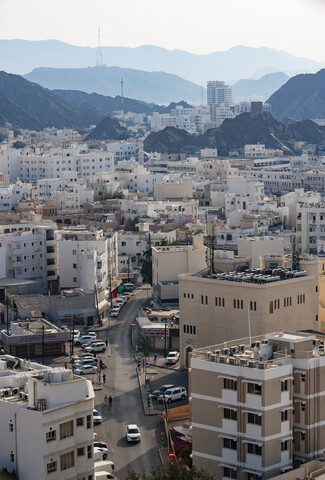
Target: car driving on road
[
  {"x": 133, "y": 433},
  {"x": 161, "y": 390},
  {"x": 172, "y": 357},
  {"x": 97, "y": 418}
]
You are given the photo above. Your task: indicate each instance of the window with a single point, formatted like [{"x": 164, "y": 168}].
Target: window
[
  {"x": 202, "y": 299},
  {"x": 271, "y": 307},
  {"x": 67, "y": 460},
  {"x": 302, "y": 377},
  {"x": 254, "y": 388},
  {"x": 74, "y": 279},
  {"x": 229, "y": 384},
  {"x": 254, "y": 449},
  {"x": 12, "y": 456},
  {"x": 89, "y": 451},
  {"x": 66, "y": 429},
  {"x": 80, "y": 452},
  {"x": 11, "y": 426},
  {"x": 74, "y": 252},
  {"x": 229, "y": 472},
  {"x": 230, "y": 414},
  {"x": 284, "y": 386},
  {"x": 74, "y": 265},
  {"x": 184, "y": 295},
  {"x": 80, "y": 421},
  {"x": 303, "y": 406},
  {"x": 51, "y": 467},
  {"x": 254, "y": 419},
  {"x": 284, "y": 446},
  {"x": 284, "y": 416},
  {"x": 206, "y": 300},
  {"x": 51, "y": 435},
  {"x": 302, "y": 436},
  {"x": 230, "y": 443},
  {"x": 89, "y": 421}
]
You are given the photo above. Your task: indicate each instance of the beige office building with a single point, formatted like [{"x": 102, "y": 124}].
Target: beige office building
[
  {"x": 234, "y": 305},
  {"x": 257, "y": 405}
]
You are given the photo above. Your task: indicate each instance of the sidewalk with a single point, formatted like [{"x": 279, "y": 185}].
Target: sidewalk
[{"x": 144, "y": 392}]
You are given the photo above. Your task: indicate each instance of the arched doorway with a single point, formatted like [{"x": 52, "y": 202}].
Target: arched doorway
[{"x": 188, "y": 350}]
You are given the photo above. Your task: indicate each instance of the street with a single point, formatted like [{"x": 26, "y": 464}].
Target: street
[{"x": 122, "y": 385}]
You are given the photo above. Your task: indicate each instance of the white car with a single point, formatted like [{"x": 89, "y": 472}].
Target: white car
[
  {"x": 172, "y": 357},
  {"x": 97, "y": 418},
  {"x": 104, "y": 475},
  {"x": 96, "y": 347},
  {"x": 176, "y": 393},
  {"x": 119, "y": 303},
  {"x": 115, "y": 311},
  {"x": 100, "y": 444},
  {"x": 83, "y": 339},
  {"x": 100, "y": 454},
  {"x": 133, "y": 433},
  {"x": 86, "y": 369},
  {"x": 93, "y": 335},
  {"x": 104, "y": 465},
  {"x": 84, "y": 361}
]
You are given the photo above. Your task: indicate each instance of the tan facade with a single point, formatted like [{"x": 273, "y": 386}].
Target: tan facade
[
  {"x": 214, "y": 310},
  {"x": 257, "y": 405}
]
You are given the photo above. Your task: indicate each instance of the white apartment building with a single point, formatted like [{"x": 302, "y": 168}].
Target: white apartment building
[
  {"x": 11, "y": 194},
  {"x": 29, "y": 252},
  {"x": 151, "y": 209},
  {"x": 172, "y": 190},
  {"x": 300, "y": 196},
  {"x": 47, "y": 187},
  {"x": 309, "y": 222},
  {"x": 255, "y": 247},
  {"x": 32, "y": 167},
  {"x": 168, "y": 262},
  {"x": 46, "y": 421},
  {"x": 9, "y": 162},
  {"x": 256, "y": 405},
  {"x": 141, "y": 180},
  {"x": 218, "y": 93},
  {"x": 83, "y": 256},
  {"x": 122, "y": 150},
  {"x": 259, "y": 151}
]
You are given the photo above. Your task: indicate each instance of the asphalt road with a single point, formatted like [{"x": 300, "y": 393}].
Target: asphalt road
[{"x": 122, "y": 385}]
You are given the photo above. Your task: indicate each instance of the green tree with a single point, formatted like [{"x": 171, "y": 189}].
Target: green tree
[
  {"x": 172, "y": 471},
  {"x": 146, "y": 344},
  {"x": 146, "y": 266},
  {"x": 104, "y": 195},
  {"x": 18, "y": 144},
  {"x": 129, "y": 224}
]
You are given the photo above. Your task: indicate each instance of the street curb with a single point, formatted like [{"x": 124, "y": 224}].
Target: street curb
[{"x": 144, "y": 399}]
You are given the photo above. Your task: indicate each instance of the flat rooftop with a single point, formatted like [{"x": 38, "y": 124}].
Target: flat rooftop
[{"x": 257, "y": 276}]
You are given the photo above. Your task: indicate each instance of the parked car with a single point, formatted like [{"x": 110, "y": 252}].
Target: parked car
[
  {"x": 115, "y": 311},
  {"x": 133, "y": 433},
  {"x": 90, "y": 342},
  {"x": 119, "y": 303},
  {"x": 103, "y": 475},
  {"x": 96, "y": 347},
  {"x": 99, "y": 444},
  {"x": 75, "y": 334},
  {"x": 172, "y": 357},
  {"x": 128, "y": 287},
  {"x": 85, "y": 361},
  {"x": 83, "y": 339},
  {"x": 97, "y": 419},
  {"x": 92, "y": 334},
  {"x": 127, "y": 295},
  {"x": 125, "y": 298},
  {"x": 84, "y": 355},
  {"x": 104, "y": 465},
  {"x": 100, "y": 453},
  {"x": 172, "y": 394},
  {"x": 85, "y": 369},
  {"x": 162, "y": 389}
]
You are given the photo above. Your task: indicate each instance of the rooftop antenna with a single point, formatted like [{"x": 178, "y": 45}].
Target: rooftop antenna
[
  {"x": 99, "y": 55},
  {"x": 122, "y": 93}
]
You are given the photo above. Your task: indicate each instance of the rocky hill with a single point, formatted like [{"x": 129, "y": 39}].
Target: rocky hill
[
  {"x": 302, "y": 97},
  {"x": 27, "y": 105},
  {"x": 235, "y": 133},
  {"x": 108, "y": 129},
  {"x": 152, "y": 87},
  {"x": 264, "y": 87}
]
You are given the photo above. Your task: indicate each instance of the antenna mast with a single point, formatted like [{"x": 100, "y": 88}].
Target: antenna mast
[{"x": 99, "y": 55}]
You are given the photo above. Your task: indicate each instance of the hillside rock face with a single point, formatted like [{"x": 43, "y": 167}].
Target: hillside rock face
[
  {"x": 235, "y": 133},
  {"x": 108, "y": 129},
  {"x": 27, "y": 105},
  {"x": 301, "y": 98}
]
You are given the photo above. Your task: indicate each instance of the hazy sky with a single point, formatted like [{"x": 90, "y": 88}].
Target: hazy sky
[{"x": 198, "y": 26}]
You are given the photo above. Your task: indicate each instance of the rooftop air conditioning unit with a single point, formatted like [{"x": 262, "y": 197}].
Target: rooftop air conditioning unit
[
  {"x": 222, "y": 359},
  {"x": 232, "y": 361},
  {"x": 6, "y": 392},
  {"x": 252, "y": 364}
]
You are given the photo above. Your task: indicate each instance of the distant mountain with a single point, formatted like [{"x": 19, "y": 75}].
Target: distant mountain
[
  {"x": 264, "y": 87},
  {"x": 235, "y": 133},
  {"x": 21, "y": 56},
  {"x": 27, "y": 105},
  {"x": 155, "y": 87},
  {"x": 109, "y": 129},
  {"x": 107, "y": 105},
  {"x": 302, "y": 97}
]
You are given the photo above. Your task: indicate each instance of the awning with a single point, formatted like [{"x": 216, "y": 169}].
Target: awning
[
  {"x": 227, "y": 466},
  {"x": 103, "y": 305},
  {"x": 259, "y": 444},
  {"x": 289, "y": 377},
  {"x": 254, "y": 412},
  {"x": 299, "y": 370},
  {"x": 254, "y": 472},
  {"x": 228, "y": 436},
  {"x": 229, "y": 407},
  {"x": 255, "y": 382},
  {"x": 286, "y": 408},
  {"x": 285, "y": 439},
  {"x": 228, "y": 377}
]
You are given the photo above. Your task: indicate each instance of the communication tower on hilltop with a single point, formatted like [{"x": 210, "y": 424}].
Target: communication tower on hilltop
[{"x": 99, "y": 55}]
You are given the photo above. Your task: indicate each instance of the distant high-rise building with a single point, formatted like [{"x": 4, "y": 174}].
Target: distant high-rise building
[{"x": 218, "y": 93}]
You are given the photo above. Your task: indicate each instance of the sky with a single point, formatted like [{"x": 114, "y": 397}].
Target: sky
[{"x": 197, "y": 26}]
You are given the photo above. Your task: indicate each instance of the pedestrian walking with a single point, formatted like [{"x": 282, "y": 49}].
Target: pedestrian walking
[
  {"x": 110, "y": 401},
  {"x": 104, "y": 378},
  {"x": 155, "y": 359},
  {"x": 139, "y": 367},
  {"x": 100, "y": 363},
  {"x": 106, "y": 400},
  {"x": 99, "y": 378},
  {"x": 106, "y": 342}
]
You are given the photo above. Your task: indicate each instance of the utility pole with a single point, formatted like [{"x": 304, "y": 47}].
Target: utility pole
[
  {"x": 110, "y": 290},
  {"x": 97, "y": 308}
]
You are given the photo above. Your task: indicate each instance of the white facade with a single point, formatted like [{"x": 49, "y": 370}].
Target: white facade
[
  {"x": 175, "y": 210},
  {"x": 30, "y": 251},
  {"x": 47, "y": 188},
  {"x": 256, "y": 247},
  {"x": 140, "y": 179},
  {"x": 122, "y": 150},
  {"x": 166, "y": 190},
  {"x": 218, "y": 93},
  {"x": 46, "y": 422},
  {"x": 259, "y": 151},
  {"x": 83, "y": 256}
]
